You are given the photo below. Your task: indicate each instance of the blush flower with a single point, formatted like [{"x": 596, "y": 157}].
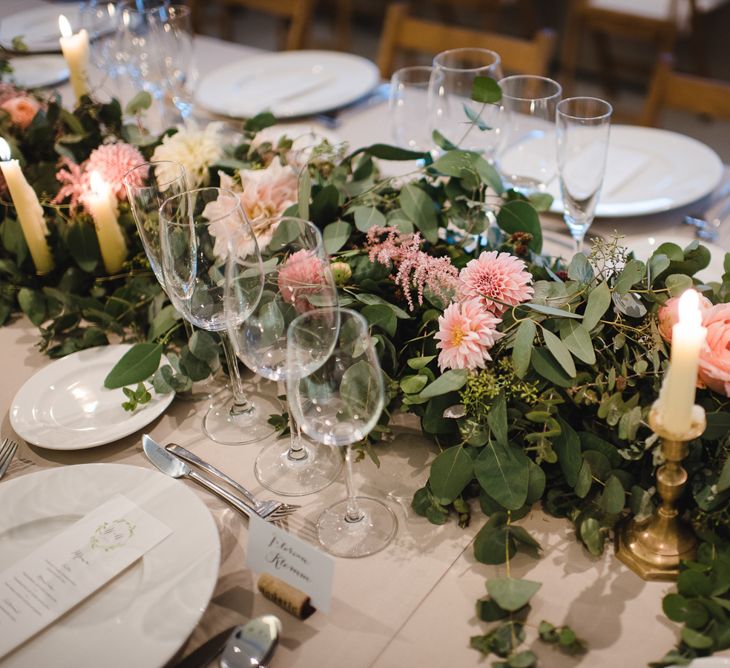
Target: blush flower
[
  {"x": 74, "y": 184},
  {"x": 497, "y": 280},
  {"x": 466, "y": 333},
  {"x": 113, "y": 161},
  {"x": 22, "y": 110},
  {"x": 301, "y": 276},
  {"x": 714, "y": 369},
  {"x": 668, "y": 315}
]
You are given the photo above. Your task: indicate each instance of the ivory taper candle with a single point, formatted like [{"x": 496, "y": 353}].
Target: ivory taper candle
[
  {"x": 76, "y": 52},
  {"x": 102, "y": 205},
  {"x": 28, "y": 210},
  {"x": 678, "y": 389}
]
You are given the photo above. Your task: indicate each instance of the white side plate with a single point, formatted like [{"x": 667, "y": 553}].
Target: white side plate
[
  {"x": 142, "y": 617},
  {"x": 38, "y": 71},
  {"x": 65, "y": 406},
  {"x": 289, "y": 84},
  {"x": 651, "y": 170}
]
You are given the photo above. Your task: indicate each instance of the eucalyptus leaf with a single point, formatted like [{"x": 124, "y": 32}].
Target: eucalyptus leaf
[
  {"x": 503, "y": 472},
  {"x": 522, "y": 349},
  {"x": 599, "y": 300},
  {"x": 304, "y": 191},
  {"x": 379, "y": 315},
  {"x": 580, "y": 269},
  {"x": 560, "y": 352},
  {"x": 451, "y": 472},
  {"x": 584, "y": 480},
  {"x": 83, "y": 245},
  {"x": 577, "y": 339},
  {"x": 33, "y": 304},
  {"x": 367, "y": 217},
  {"x": 567, "y": 445},
  {"x": 135, "y": 366},
  {"x": 419, "y": 208},
  {"x": 546, "y": 365},
  {"x": 335, "y": 236},
  {"x": 630, "y": 275},
  {"x": 551, "y": 310},
  {"x": 452, "y": 380},
  {"x": 140, "y": 102},
  {"x": 512, "y": 594},
  {"x": 613, "y": 499},
  {"x": 485, "y": 90},
  {"x": 520, "y": 216},
  {"x": 492, "y": 544}
]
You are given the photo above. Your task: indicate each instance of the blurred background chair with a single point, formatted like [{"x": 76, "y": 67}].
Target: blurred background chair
[
  {"x": 403, "y": 33},
  {"x": 685, "y": 92},
  {"x": 658, "y": 22},
  {"x": 295, "y": 15}
]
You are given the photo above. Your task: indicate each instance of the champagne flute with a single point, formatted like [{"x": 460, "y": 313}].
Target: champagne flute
[
  {"x": 198, "y": 230},
  {"x": 453, "y": 113},
  {"x": 583, "y": 128},
  {"x": 298, "y": 280},
  {"x": 336, "y": 394}
]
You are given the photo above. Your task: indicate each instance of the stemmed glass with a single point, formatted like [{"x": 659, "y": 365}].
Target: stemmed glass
[
  {"x": 583, "y": 128},
  {"x": 197, "y": 228},
  {"x": 336, "y": 394},
  {"x": 526, "y": 131},
  {"x": 298, "y": 280},
  {"x": 410, "y": 126},
  {"x": 453, "y": 113}
]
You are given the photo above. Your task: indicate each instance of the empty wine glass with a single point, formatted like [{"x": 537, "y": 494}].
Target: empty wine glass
[
  {"x": 336, "y": 394},
  {"x": 583, "y": 128},
  {"x": 298, "y": 280},
  {"x": 526, "y": 132},
  {"x": 197, "y": 228},
  {"x": 462, "y": 121},
  {"x": 410, "y": 126}
]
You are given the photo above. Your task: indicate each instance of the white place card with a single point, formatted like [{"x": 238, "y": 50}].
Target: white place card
[
  {"x": 48, "y": 582},
  {"x": 285, "y": 556}
]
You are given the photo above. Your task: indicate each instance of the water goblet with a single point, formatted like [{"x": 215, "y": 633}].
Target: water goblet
[
  {"x": 459, "y": 119},
  {"x": 197, "y": 228},
  {"x": 526, "y": 132},
  {"x": 336, "y": 394},
  {"x": 298, "y": 280},
  {"x": 583, "y": 126}
]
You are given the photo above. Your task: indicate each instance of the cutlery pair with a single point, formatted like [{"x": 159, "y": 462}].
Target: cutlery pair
[
  {"x": 708, "y": 225},
  {"x": 7, "y": 452},
  {"x": 171, "y": 463}
]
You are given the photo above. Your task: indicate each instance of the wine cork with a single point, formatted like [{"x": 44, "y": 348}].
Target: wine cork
[{"x": 289, "y": 598}]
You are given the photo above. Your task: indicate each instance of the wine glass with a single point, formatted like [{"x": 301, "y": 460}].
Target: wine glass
[
  {"x": 526, "y": 131},
  {"x": 459, "y": 119},
  {"x": 410, "y": 127},
  {"x": 298, "y": 280},
  {"x": 583, "y": 126},
  {"x": 197, "y": 228},
  {"x": 336, "y": 394}
]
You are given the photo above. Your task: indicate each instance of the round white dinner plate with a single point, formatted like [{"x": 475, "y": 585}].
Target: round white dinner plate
[
  {"x": 143, "y": 616},
  {"x": 38, "y": 26},
  {"x": 38, "y": 71},
  {"x": 649, "y": 170},
  {"x": 644, "y": 246},
  {"x": 288, "y": 84},
  {"x": 709, "y": 662},
  {"x": 65, "y": 406}
]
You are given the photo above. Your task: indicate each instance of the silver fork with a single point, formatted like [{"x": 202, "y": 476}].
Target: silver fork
[
  {"x": 708, "y": 224},
  {"x": 7, "y": 452},
  {"x": 272, "y": 510}
]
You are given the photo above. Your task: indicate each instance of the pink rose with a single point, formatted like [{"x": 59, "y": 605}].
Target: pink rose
[
  {"x": 669, "y": 315},
  {"x": 22, "y": 109},
  {"x": 714, "y": 371}
]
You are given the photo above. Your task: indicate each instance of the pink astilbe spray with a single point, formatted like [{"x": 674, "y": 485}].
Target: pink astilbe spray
[{"x": 414, "y": 269}]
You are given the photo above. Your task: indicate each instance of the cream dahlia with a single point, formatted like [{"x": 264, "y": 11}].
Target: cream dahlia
[{"x": 195, "y": 150}]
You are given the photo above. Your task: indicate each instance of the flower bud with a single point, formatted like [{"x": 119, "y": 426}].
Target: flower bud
[{"x": 341, "y": 272}]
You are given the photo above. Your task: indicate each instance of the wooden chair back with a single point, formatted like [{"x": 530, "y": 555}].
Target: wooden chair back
[
  {"x": 298, "y": 13},
  {"x": 686, "y": 92},
  {"x": 402, "y": 32}
]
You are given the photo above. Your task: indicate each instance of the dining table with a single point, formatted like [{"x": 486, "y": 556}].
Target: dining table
[{"x": 413, "y": 603}]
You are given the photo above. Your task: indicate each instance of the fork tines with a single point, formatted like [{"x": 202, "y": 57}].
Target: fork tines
[{"x": 7, "y": 452}]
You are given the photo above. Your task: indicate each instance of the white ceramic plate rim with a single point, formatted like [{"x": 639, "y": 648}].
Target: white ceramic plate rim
[
  {"x": 38, "y": 71},
  {"x": 353, "y": 76},
  {"x": 29, "y": 399},
  {"x": 686, "y": 157},
  {"x": 47, "y": 17},
  {"x": 163, "y": 596}
]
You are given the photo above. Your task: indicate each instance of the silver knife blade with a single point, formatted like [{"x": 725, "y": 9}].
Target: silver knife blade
[{"x": 163, "y": 460}]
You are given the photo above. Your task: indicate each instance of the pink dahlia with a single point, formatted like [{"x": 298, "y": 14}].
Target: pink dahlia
[
  {"x": 113, "y": 161},
  {"x": 466, "y": 333},
  {"x": 74, "y": 184},
  {"x": 497, "y": 280},
  {"x": 301, "y": 276}
]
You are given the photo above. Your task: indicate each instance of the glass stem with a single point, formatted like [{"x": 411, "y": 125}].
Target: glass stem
[
  {"x": 297, "y": 451},
  {"x": 188, "y": 329},
  {"x": 353, "y": 513},
  {"x": 241, "y": 405}
]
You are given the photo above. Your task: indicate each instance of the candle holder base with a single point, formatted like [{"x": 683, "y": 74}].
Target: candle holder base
[{"x": 654, "y": 547}]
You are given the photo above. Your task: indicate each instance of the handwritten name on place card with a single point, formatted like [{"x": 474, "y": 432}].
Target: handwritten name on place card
[
  {"x": 38, "y": 589},
  {"x": 280, "y": 553}
]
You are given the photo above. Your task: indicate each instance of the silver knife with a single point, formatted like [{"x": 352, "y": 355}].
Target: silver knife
[
  {"x": 173, "y": 466},
  {"x": 210, "y": 649}
]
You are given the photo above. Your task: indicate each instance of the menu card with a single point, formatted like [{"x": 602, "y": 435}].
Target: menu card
[{"x": 48, "y": 582}]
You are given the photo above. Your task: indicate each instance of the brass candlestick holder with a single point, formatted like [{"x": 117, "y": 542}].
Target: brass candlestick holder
[{"x": 654, "y": 547}]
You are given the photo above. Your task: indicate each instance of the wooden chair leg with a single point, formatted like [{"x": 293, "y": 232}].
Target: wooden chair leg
[
  {"x": 606, "y": 62},
  {"x": 569, "y": 52},
  {"x": 343, "y": 24}
]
